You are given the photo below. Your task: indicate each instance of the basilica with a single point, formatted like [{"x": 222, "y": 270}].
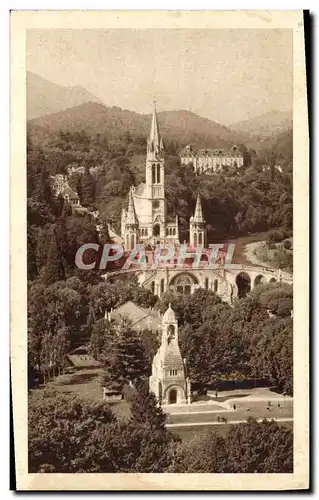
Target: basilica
[{"x": 145, "y": 221}]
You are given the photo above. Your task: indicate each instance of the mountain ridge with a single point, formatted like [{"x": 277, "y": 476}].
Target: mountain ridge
[
  {"x": 265, "y": 125},
  {"x": 96, "y": 118},
  {"x": 45, "y": 97}
]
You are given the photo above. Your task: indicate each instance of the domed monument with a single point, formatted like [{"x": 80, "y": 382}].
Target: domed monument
[{"x": 168, "y": 380}]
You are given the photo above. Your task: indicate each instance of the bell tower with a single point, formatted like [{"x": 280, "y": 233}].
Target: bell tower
[{"x": 155, "y": 177}]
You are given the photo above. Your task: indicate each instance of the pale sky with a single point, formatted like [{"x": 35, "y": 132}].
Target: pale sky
[{"x": 224, "y": 75}]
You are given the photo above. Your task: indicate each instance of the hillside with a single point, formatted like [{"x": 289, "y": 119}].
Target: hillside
[
  {"x": 112, "y": 122},
  {"x": 45, "y": 97},
  {"x": 266, "y": 125}
]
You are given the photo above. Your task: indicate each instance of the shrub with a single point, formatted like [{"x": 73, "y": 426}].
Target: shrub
[
  {"x": 287, "y": 244},
  {"x": 275, "y": 236},
  {"x": 271, "y": 246}
]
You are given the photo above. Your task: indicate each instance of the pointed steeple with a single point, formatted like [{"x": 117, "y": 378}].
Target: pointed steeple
[
  {"x": 131, "y": 214},
  {"x": 198, "y": 215},
  {"x": 155, "y": 143}
]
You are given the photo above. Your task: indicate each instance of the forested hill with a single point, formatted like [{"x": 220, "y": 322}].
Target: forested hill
[{"x": 181, "y": 126}]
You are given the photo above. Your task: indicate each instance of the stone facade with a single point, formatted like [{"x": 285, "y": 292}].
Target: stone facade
[{"x": 168, "y": 380}]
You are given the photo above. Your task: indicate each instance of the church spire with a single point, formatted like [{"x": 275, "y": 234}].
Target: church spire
[
  {"x": 131, "y": 214},
  {"x": 198, "y": 215},
  {"x": 155, "y": 143}
]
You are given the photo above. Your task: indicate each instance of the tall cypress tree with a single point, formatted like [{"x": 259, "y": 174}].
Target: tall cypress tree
[
  {"x": 54, "y": 270},
  {"x": 87, "y": 188},
  {"x": 125, "y": 360}
]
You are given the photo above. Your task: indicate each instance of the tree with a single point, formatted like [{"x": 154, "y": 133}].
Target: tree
[
  {"x": 66, "y": 434},
  {"x": 87, "y": 189},
  {"x": 250, "y": 447},
  {"x": 123, "y": 359},
  {"x": 203, "y": 454},
  {"x": 145, "y": 409},
  {"x": 264, "y": 447},
  {"x": 54, "y": 270}
]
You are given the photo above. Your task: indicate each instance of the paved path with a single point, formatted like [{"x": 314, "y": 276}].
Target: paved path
[{"x": 189, "y": 424}]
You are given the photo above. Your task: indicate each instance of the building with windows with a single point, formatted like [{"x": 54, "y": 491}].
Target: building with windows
[
  {"x": 211, "y": 161},
  {"x": 168, "y": 380},
  {"x": 60, "y": 186}
]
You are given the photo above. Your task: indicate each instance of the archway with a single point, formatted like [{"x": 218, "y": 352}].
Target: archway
[
  {"x": 243, "y": 283},
  {"x": 182, "y": 283},
  {"x": 156, "y": 230},
  {"x": 259, "y": 280},
  {"x": 272, "y": 280},
  {"x": 172, "y": 397}
]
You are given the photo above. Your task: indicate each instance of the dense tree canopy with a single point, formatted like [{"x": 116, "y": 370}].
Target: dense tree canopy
[
  {"x": 246, "y": 448},
  {"x": 67, "y": 434}
]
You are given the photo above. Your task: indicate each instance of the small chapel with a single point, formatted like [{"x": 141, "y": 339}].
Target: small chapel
[
  {"x": 145, "y": 221},
  {"x": 168, "y": 380}
]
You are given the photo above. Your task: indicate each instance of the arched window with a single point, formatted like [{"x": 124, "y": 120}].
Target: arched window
[
  {"x": 171, "y": 331},
  {"x": 158, "y": 174},
  {"x": 174, "y": 230},
  {"x": 127, "y": 241},
  {"x": 146, "y": 232},
  {"x": 195, "y": 239},
  {"x": 162, "y": 285},
  {"x": 215, "y": 285},
  {"x": 200, "y": 238},
  {"x": 153, "y": 173},
  {"x": 153, "y": 286},
  {"x": 206, "y": 283}
]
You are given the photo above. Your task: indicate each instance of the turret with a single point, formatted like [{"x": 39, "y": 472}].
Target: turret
[
  {"x": 131, "y": 218},
  {"x": 197, "y": 226},
  {"x": 131, "y": 227}
]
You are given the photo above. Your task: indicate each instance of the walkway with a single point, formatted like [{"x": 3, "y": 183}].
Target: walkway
[{"x": 196, "y": 424}]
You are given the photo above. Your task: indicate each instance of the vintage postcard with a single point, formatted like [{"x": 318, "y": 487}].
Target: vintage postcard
[{"x": 159, "y": 250}]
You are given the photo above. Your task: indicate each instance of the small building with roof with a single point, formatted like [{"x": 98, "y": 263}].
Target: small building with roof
[
  {"x": 138, "y": 317},
  {"x": 168, "y": 380}
]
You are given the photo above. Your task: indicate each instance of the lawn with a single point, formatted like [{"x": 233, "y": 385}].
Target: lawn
[{"x": 84, "y": 383}]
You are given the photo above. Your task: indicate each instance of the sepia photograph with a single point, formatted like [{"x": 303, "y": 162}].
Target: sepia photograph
[{"x": 161, "y": 329}]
